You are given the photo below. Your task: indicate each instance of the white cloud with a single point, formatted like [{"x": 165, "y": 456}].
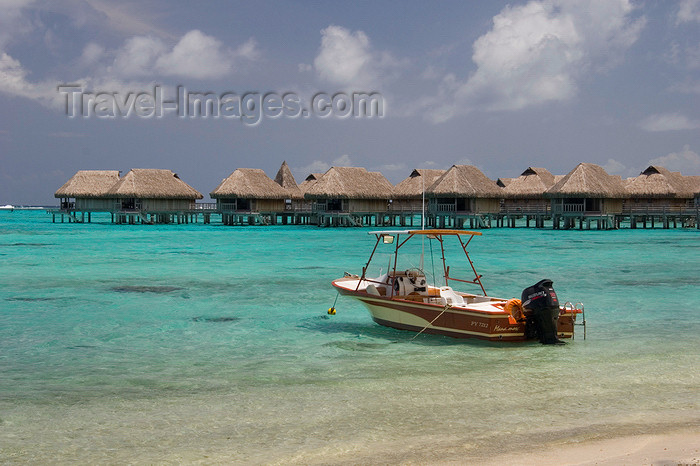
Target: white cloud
[
  {"x": 539, "y": 52},
  {"x": 92, "y": 53},
  {"x": 525, "y": 58},
  {"x": 689, "y": 11},
  {"x": 13, "y": 81},
  {"x": 138, "y": 55},
  {"x": 12, "y": 75},
  {"x": 686, "y": 161},
  {"x": 683, "y": 56},
  {"x": 342, "y": 161},
  {"x": 346, "y": 58},
  {"x": 15, "y": 20},
  {"x": 195, "y": 55},
  {"x": 320, "y": 166},
  {"x": 464, "y": 161},
  {"x": 614, "y": 167},
  {"x": 248, "y": 50},
  {"x": 668, "y": 122},
  {"x": 390, "y": 168}
]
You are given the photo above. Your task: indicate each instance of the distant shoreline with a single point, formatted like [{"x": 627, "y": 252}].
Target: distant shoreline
[{"x": 26, "y": 207}]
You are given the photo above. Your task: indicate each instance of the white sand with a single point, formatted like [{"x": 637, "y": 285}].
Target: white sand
[
  {"x": 657, "y": 450},
  {"x": 674, "y": 449}
]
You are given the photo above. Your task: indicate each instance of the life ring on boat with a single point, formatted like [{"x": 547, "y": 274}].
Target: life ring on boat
[{"x": 514, "y": 307}]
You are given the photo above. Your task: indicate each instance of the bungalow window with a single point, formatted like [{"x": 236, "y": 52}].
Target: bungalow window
[
  {"x": 592, "y": 205},
  {"x": 462, "y": 204},
  {"x": 129, "y": 203},
  {"x": 334, "y": 204},
  {"x": 243, "y": 204},
  {"x": 573, "y": 204}
]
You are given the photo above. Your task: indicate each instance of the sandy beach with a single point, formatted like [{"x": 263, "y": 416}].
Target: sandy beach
[
  {"x": 681, "y": 448},
  {"x": 671, "y": 449}
]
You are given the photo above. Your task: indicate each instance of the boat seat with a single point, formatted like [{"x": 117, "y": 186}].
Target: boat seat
[
  {"x": 376, "y": 291},
  {"x": 450, "y": 296}
]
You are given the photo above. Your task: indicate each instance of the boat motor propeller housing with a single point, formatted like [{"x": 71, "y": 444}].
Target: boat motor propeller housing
[{"x": 541, "y": 303}]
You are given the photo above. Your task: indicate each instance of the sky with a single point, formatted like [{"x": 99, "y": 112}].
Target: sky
[{"x": 107, "y": 85}]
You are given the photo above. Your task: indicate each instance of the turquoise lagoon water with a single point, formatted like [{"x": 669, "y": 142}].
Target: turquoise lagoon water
[{"x": 205, "y": 343}]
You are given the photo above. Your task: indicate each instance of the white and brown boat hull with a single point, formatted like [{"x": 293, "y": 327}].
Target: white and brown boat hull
[{"x": 458, "y": 321}]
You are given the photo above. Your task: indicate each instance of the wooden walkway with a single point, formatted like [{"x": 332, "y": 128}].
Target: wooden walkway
[{"x": 207, "y": 213}]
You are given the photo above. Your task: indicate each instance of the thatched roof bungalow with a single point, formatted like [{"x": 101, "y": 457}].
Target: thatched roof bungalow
[
  {"x": 87, "y": 191},
  {"x": 695, "y": 184},
  {"x": 153, "y": 190},
  {"x": 526, "y": 192},
  {"x": 408, "y": 194},
  {"x": 250, "y": 190},
  {"x": 464, "y": 189},
  {"x": 309, "y": 181},
  {"x": 588, "y": 188},
  {"x": 532, "y": 183},
  {"x": 658, "y": 188},
  {"x": 350, "y": 189},
  {"x": 285, "y": 179},
  {"x": 295, "y": 197}
]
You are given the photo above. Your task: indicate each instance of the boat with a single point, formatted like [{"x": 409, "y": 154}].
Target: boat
[{"x": 403, "y": 298}]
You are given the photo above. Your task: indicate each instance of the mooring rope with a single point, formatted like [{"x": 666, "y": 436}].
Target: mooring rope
[{"x": 447, "y": 306}]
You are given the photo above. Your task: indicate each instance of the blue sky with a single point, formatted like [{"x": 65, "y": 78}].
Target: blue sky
[{"x": 500, "y": 85}]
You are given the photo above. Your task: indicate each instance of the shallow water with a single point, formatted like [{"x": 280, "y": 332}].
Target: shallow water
[{"x": 208, "y": 343}]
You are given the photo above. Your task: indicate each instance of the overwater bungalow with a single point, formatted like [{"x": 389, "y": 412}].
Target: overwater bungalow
[
  {"x": 149, "y": 195},
  {"x": 350, "y": 196},
  {"x": 249, "y": 196},
  {"x": 86, "y": 192},
  {"x": 524, "y": 197},
  {"x": 464, "y": 193},
  {"x": 659, "y": 194},
  {"x": 659, "y": 188},
  {"x": 587, "y": 193},
  {"x": 526, "y": 192},
  {"x": 409, "y": 198},
  {"x": 408, "y": 194}
]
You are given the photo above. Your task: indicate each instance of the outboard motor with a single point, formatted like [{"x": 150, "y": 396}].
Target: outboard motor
[{"x": 541, "y": 303}]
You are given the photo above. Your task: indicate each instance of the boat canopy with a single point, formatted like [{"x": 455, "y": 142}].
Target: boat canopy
[
  {"x": 393, "y": 236},
  {"x": 425, "y": 232}
]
